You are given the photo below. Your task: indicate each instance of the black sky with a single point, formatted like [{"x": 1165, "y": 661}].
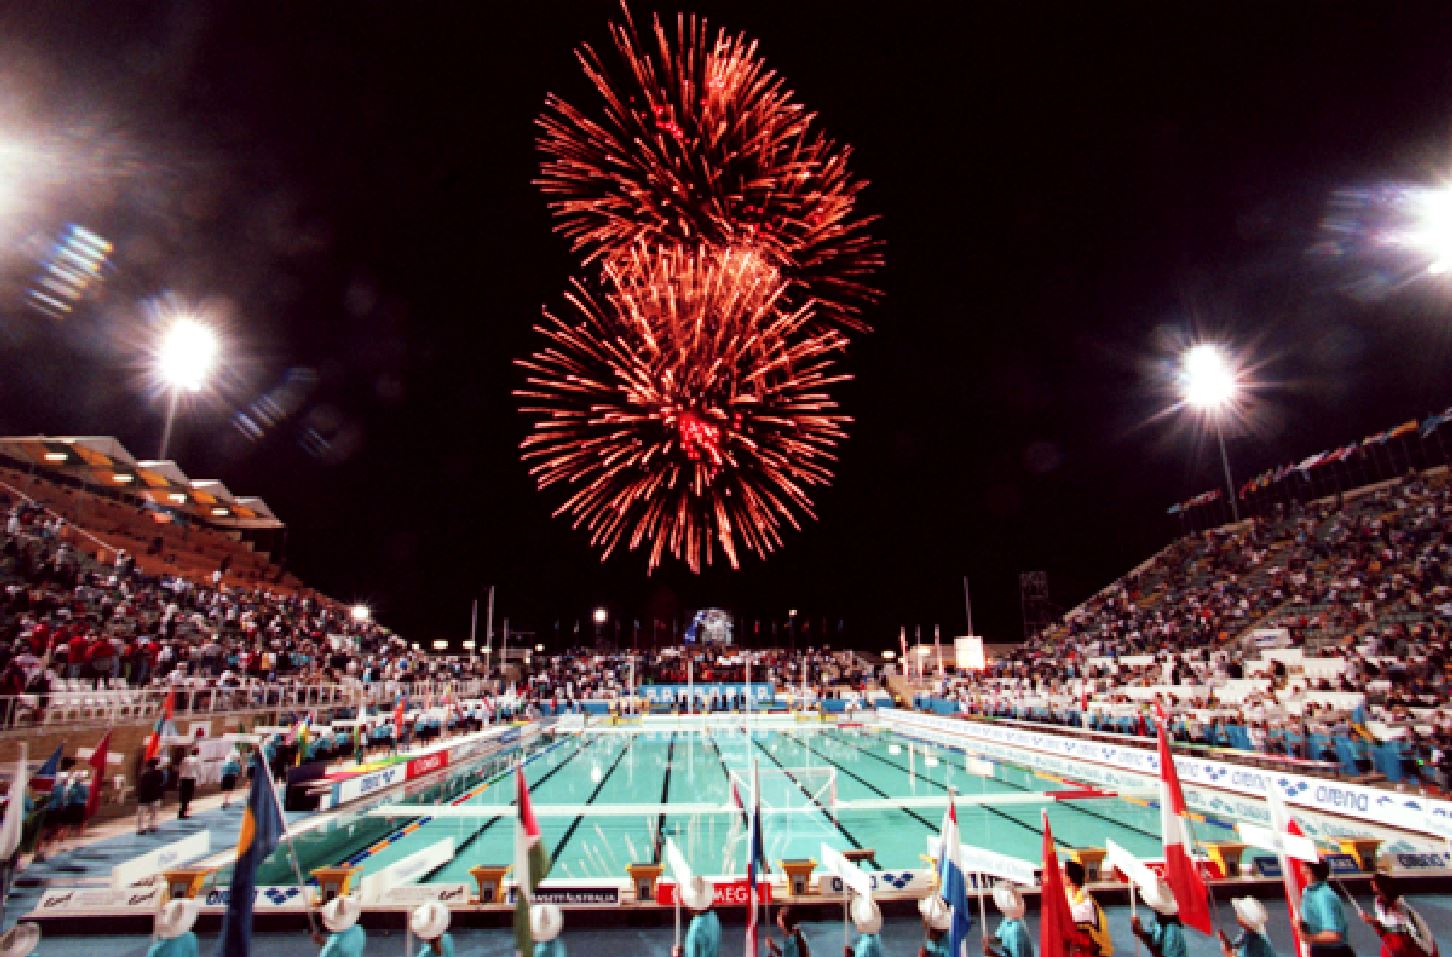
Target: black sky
[{"x": 1065, "y": 191}]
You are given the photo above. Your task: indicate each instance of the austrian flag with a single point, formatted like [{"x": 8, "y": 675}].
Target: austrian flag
[{"x": 1181, "y": 873}]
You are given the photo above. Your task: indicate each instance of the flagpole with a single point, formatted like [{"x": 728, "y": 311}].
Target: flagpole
[
  {"x": 292, "y": 856},
  {"x": 982, "y": 904}
]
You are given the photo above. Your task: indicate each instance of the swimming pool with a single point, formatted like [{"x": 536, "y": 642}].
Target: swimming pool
[{"x": 608, "y": 797}]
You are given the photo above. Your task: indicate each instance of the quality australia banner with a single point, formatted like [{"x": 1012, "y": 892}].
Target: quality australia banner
[{"x": 759, "y": 691}]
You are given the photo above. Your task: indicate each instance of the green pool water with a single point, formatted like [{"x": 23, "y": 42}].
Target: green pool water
[{"x": 661, "y": 770}]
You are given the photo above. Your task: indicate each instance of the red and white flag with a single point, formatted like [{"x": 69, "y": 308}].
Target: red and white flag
[
  {"x": 1181, "y": 873},
  {"x": 1291, "y": 875},
  {"x": 98, "y": 775}
]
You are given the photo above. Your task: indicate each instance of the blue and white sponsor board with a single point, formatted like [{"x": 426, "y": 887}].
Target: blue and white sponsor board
[
  {"x": 1406, "y": 811},
  {"x": 885, "y": 883},
  {"x": 757, "y": 691}
]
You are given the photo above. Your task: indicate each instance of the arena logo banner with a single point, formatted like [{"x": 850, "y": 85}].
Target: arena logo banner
[
  {"x": 354, "y": 788},
  {"x": 276, "y": 899},
  {"x": 887, "y": 883},
  {"x": 1407, "y": 811},
  {"x": 75, "y": 900}
]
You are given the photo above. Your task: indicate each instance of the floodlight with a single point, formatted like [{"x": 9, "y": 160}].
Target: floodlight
[
  {"x": 362, "y": 613},
  {"x": 187, "y": 354},
  {"x": 600, "y": 615},
  {"x": 1207, "y": 380}
]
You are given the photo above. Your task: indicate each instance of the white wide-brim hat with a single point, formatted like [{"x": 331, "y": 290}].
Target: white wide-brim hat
[
  {"x": 1251, "y": 912},
  {"x": 935, "y": 912},
  {"x": 866, "y": 915},
  {"x": 340, "y": 913},
  {"x": 1160, "y": 899},
  {"x": 1009, "y": 902},
  {"x": 545, "y": 922},
  {"x": 20, "y": 940},
  {"x": 697, "y": 894},
  {"x": 176, "y": 918},
  {"x": 429, "y": 920}
]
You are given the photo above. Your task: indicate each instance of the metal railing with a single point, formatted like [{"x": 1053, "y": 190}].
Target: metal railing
[{"x": 70, "y": 705}]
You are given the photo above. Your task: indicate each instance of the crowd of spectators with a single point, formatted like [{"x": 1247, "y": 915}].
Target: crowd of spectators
[{"x": 1358, "y": 586}]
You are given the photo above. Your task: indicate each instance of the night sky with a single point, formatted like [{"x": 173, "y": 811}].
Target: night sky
[{"x": 1067, "y": 195}]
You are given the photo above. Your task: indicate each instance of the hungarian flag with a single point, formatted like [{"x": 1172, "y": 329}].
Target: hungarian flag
[
  {"x": 1181, "y": 873},
  {"x": 97, "y": 761},
  {"x": 755, "y": 860},
  {"x": 1056, "y": 924},
  {"x": 531, "y": 864},
  {"x": 153, "y": 742}
]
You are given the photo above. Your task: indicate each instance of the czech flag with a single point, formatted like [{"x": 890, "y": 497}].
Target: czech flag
[{"x": 1181, "y": 873}]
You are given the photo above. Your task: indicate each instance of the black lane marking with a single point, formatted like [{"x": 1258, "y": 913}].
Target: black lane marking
[
  {"x": 1073, "y": 807},
  {"x": 856, "y": 845},
  {"x": 579, "y": 749},
  {"x": 991, "y": 810},
  {"x": 665, "y": 789},
  {"x": 570, "y": 831}
]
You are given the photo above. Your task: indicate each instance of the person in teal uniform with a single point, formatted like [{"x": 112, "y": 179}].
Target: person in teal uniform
[
  {"x": 20, "y": 941},
  {"x": 867, "y": 918},
  {"x": 174, "y": 937},
  {"x": 345, "y": 937},
  {"x": 1012, "y": 937},
  {"x": 936, "y": 920},
  {"x": 545, "y": 924},
  {"x": 1250, "y": 914},
  {"x": 1323, "y": 916},
  {"x": 430, "y": 923},
  {"x": 703, "y": 936},
  {"x": 1164, "y": 935},
  {"x": 231, "y": 771},
  {"x": 793, "y": 944}
]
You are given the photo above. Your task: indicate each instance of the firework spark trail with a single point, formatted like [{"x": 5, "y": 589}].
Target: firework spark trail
[
  {"x": 683, "y": 408},
  {"x": 700, "y": 142}
]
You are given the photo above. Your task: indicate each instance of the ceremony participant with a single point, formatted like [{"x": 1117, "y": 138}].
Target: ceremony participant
[
  {"x": 1252, "y": 942},
  {"x": 1012, "y": 935},
  {"x": 1402, "y": 930},
  {"x": 867, "y": 918},
  {"x": 231, "y": 771},
  {"x": 936, "y": 920},
  {"x": 1323, "y": 916},
  {"x": 1165, "y": 935},
  {"x": 703, "y": 936},
  {"x": 20, "y": 941},
  {"x": 174, "y": 937},
  {"x": 149, "y": 791},
  {"x": 1092, "y": 939},
  {"x": 545, "y": 923},
  {"x": 345, "y": 937},
  {"x": 430, "y": 923},
  {"x": 793, "y": 944},
  {"x": 186, "y": 784}
]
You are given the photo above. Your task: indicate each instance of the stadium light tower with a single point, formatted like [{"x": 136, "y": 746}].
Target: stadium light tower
[
  {"x": 361, "y": 613},
  {"x": 185, "y": 357},
  {"x": 1209, "y": 383}
]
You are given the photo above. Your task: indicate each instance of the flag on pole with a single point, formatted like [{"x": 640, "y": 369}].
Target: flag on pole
[
  {"x": 938, "y": 650},
  {"x": 11, "y": 824},
  {"x": 952, "y": 882},
  {"x": 153, "y": 742},
  {"x": 44, "y": 780},
  {"x": 906, "y": 661},
  {"x": 1056, "y": 924},
  {"x": 261, "y": 831},
  {"x": 98, "y": 775},
  {"x": 1181, "y": 873},
  {"x": 755, "y": 859},
  {"x": 1291, "y": 876},
  {"x": 398, "y": 718},
  {"x": 531, "y": 864}
]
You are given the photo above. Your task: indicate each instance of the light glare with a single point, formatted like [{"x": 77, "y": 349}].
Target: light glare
[
  {"x": 1207, "y": 380},
  {"x": 188, "y": 352}
]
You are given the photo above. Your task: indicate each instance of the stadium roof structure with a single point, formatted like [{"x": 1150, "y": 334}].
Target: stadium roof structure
[{"x": 103, "y": 462}]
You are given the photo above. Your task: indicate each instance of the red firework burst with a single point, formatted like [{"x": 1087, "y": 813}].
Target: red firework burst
[
  {"x": 683, "y": 409},
  {"x": 701, "y": 143}
]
